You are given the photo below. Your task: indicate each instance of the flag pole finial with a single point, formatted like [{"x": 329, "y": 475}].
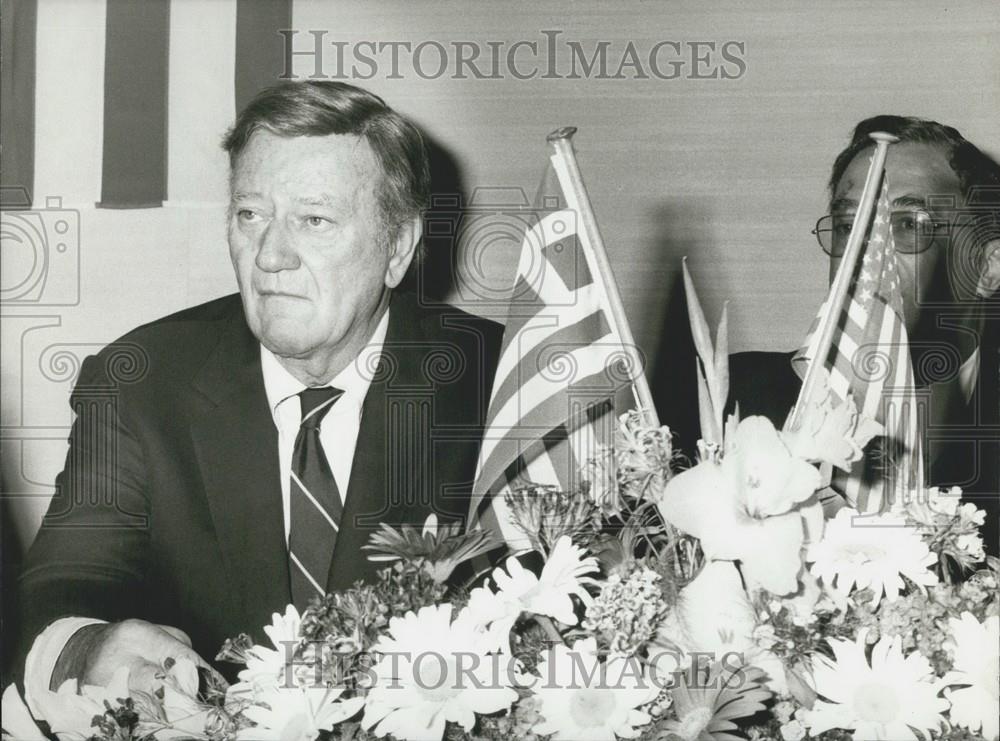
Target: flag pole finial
[
  {"x": 882, "y": 136},
  {"x": 563, "y": 132}
]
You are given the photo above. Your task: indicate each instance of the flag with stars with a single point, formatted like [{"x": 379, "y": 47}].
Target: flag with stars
[
  {"x": 870, "y": 358},
  {"x": 561, "y": 363}
]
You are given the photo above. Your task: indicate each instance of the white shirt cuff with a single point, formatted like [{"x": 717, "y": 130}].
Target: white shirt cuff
[{"x": 44, "y": 654}]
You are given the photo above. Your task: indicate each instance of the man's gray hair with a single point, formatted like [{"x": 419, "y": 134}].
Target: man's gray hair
[{"x": 320, "y": 108}]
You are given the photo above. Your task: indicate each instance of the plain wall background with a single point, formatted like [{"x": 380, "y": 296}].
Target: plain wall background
[{"x": 730, "y": 173}]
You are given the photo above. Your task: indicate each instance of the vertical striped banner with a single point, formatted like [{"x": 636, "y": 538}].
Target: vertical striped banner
[
  {"x": 69, "y": 101},
  {"x": 201, "y": 105},
  {"x": 134, "y": 172},
  {"x": 17, "y": 114},
  {"x": 261, "y": 57}
]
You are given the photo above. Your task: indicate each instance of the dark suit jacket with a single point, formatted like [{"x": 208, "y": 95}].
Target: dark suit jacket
[
  {"x": 966, "y": 453},
  {"x": 169, "y": 506}
]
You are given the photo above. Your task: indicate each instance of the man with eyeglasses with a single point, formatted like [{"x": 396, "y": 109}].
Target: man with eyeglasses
[{"x": 945, "y": 195}]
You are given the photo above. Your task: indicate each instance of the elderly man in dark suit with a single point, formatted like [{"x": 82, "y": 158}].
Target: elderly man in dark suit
[
  {"x": 945, "y": 195},
  {"x": 262, "y": 437}
]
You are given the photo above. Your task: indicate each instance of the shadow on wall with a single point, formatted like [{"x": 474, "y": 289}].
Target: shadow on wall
[
  {"x": 435, "y": 275},
  {"x": 683, "y": 228}
]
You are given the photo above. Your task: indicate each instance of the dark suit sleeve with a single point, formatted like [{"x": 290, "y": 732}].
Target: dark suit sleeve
[
  {"x": 762, "y": 383},
  {"x": 89, "y": 556}
]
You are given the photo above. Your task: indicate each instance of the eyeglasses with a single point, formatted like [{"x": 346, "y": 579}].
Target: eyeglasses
[{"x": 913, "y": 231}]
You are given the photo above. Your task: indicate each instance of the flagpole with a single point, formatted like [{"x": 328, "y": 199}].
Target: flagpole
[
  {"x": 842, "y": 281},
  {"x": 560, "y": 139}
]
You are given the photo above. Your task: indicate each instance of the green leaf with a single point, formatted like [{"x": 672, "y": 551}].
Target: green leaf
[
  {"x": 699, "y": 327},
  {"x": 710, "y": 431},
  {"x": 710, "y": 406},
  {"x": 722, "y": 361}
]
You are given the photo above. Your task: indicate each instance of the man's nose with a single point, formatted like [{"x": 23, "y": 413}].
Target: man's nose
[{"x": 276, "y": 250}]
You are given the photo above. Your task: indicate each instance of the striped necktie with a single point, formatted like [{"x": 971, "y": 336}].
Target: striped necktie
[{"x": 315, "y": 505}]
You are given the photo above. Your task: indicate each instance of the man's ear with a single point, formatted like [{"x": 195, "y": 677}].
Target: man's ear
[
  {"x": 989, "y": 276},
  {"x": 402, "y": 249}
]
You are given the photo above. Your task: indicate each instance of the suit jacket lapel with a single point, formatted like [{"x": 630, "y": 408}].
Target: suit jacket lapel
[
  {"x": 237, "y": 448},
  {"x": 389, "y": 459}
]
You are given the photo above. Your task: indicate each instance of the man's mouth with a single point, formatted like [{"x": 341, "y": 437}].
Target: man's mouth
[{"x": 279, "y": 294}]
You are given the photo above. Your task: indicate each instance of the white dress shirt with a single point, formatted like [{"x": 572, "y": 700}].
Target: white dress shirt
[{"x": 338, "y": 434}]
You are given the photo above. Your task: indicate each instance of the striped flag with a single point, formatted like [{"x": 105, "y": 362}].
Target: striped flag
[
  {"x": 561, "y": 363},
  {"x": 870, "y": 358}
]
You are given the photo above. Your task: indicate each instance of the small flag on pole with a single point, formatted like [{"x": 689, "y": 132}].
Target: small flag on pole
[
  {"x": 869, "y": 357},
  {"x": 563, "y": 358}
]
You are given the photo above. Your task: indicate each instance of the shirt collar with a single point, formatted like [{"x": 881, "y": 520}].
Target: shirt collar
[{"x": 353, "y": 380}]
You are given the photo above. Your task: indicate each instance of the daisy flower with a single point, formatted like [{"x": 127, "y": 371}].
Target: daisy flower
[
  {"x": 976, "y": 665},
  {"x": 889, "y": 698},
  {"x": 266, "y": 666},
  {"x": 544, "y": 514},
  {"x": 297, "y": 713},
  {"x": 875, "y": 553},
  {"x": 582, "y": 699},
  {"x": 520, "y": 590},
  {"x": 705, "y": 706},
  {"x": 438, "y": 548},
  {"x": 432, "y": 670}
]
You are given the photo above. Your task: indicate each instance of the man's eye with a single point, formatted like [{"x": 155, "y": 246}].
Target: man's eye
[
  {"x": 842, "y": 227},
  {"x": 317, "y": 222},
  {"x": 247, "y": 214}
]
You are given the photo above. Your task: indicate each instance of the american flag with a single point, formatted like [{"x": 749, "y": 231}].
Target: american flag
[
  {"x": 561, "y": 362},
  {"x": 870, "y": 358}
]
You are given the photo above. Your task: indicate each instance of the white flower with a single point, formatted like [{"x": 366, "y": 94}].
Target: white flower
[
  {"x": 888, "y": 699},
  {"x": 772, "y": 480},
  {"x": 714, "y": 612},
  {"x": 70, "y": 709},
  {"x": 432, "y": 670},
  {"x": 756, "y": 506},
  {"x": 972, "y": 545},
  {"x": 976, "y": 650},
  {"x": 520, "y": 590},
  {"x": 17, "y": 721},
  {"x": 582, "y": 699},
  {"x": 714, "y": 616},
  {"x": 970, "y": 514},
  {"x": 266, "y": 666},
  {"x": 793, "y": 730},
  {"x": 927, "y": 506},
  {"x": 875, "y": 551},
  {"x": 297, "y": 713},
  {"x": 831, "y": 431}
]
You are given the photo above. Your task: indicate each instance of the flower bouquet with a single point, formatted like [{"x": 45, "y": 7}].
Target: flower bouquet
[{"x": 704, "y": 603}]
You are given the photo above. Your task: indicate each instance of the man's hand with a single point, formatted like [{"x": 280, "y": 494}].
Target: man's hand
[{"x": 96, "y": 652}]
